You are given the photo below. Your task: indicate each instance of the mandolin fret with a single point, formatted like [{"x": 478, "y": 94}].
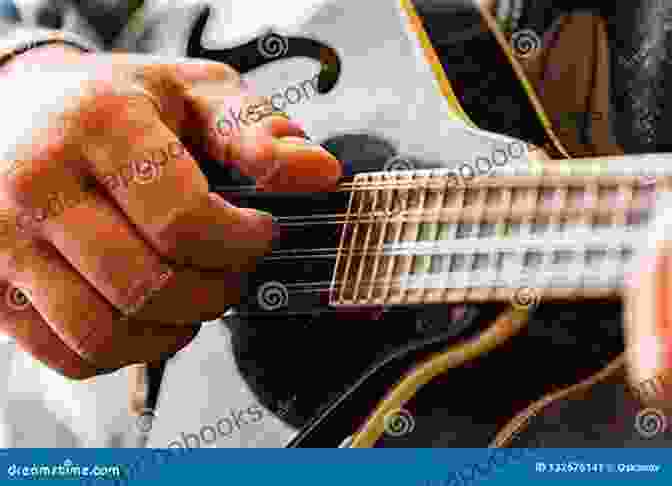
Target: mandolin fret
[
  {"x": 369, "y": 202},
  {"x": 386, "y": 201},
  {"x": 343, "y": 265},
  {"x": 410, "y": 234},
  {"x": 423, "y": 242},
  {"x": 398, "y": 263},
  {"x": 392, "y": 232}
]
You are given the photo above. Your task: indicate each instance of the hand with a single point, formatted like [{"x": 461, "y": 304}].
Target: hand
[
  {"x": 648, "y": 318},
  {"x": 111, "y": 246}
]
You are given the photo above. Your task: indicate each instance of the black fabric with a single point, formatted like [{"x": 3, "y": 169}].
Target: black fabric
[
  {"x": 108, "y": 19},
  {"x": 639, "y": 45},
  {"x": 479, "y": 72}
]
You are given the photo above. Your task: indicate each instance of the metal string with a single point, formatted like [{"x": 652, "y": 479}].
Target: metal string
[
  {"x": 343, "y": 218},
  {"x": 325, "y": 285}
]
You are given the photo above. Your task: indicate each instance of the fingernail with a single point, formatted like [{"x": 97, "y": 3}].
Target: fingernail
[
  {"x": 220, "y": 201},
  {"x": 262, "y": 220},
  {"x": 196, "y": 69},
  {"x": 261, "y": 217},
  {"x": 294, "y": 125}
]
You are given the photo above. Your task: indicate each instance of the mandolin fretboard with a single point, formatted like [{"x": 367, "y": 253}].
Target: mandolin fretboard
[{"x": 414, "y": 237}]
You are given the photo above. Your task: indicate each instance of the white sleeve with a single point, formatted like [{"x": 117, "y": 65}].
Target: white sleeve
[
  {"x": 40, "y": 408},
  {"x": 6, "y": 355}
]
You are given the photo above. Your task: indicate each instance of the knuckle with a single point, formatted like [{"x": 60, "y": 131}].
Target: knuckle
[
  {"x": 99, "y": 113},
  {"x": 181, "y": 225},
  {"x": 158, "y": 80}
]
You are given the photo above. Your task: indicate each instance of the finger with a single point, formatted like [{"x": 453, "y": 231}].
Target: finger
[
  {"x": 192, "y": 295},
  {"x": 83, "y": 320},
  {"x": 33, "y": 335},
  {"x": 98, "y": 241},
  {"x": 172, "y": 208},
  {"x": 299, "y": 167},
  {"x": 283, "y": 166},
  {"x": 242, "y": 131},
  {"x": 90, "y": 232},
  {"x": 647, "y": 318},
  {"x": 167, "y": 82},
  {"x": 280, "y": 126},
  {"x": 229, "y": 114}
]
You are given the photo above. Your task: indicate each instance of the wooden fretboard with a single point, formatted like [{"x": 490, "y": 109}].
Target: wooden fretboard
[{"x": 567, "y": 230}]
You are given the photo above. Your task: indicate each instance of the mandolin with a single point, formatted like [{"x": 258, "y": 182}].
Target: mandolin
[
  {"x": 407, "y": 258},
  {"x": 356, "y": 269}
]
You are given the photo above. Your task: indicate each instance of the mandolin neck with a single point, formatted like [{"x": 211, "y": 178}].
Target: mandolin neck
[{"x": 564, "y": 230}]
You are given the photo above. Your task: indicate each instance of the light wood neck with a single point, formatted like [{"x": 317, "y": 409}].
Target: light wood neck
[{"x": 566, "y": 229}]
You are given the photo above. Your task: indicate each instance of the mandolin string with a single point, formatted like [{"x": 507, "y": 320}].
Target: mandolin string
[
  {"x": 325, "y": 285},
  {"x": 344, "y": 218},
  {"x": 328, "y": 285},
  {"x": 387, "y": 284},
  {"x": 362, "y": 251},
  {"x": 366, "y": 217},
  {"x": 489, "y": 284},
  {"x": 440, "y": 181}
]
